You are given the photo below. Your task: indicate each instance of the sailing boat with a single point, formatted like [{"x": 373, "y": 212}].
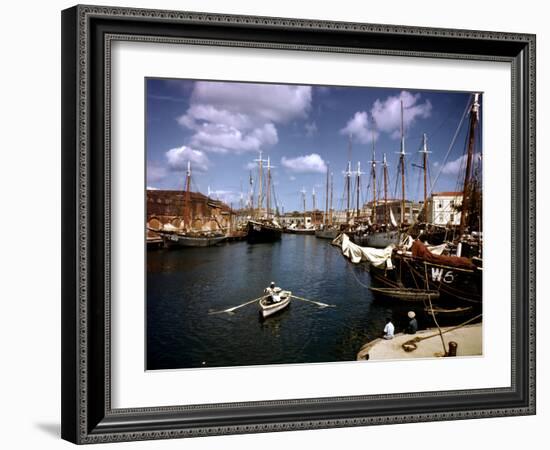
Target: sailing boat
[
  {"x": 303, "y": 228},
  {"x": 387, "y": 233},
  {"x": 189, "y": 237},
  {"x": 263, "y": 228},
  {"x": 328, "y": 230},
  {"x": 455, "y": 277}
]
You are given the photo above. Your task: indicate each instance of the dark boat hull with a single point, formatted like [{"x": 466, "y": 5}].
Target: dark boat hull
[
  {"x": 381, "y": 239},
  {"x": 174, "y": 240},
  {"x": 310, "y": 231},
  {"x": 331, "y": 234},
  {"x": 260, "y": 232},
  {"x": 454, "y": 284}
]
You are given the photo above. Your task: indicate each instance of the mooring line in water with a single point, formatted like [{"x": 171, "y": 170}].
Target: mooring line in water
[
  {"x": 355, "y": 276},
  {"x": 320, "y": 304},
  {"x": 230, "y": 310}
]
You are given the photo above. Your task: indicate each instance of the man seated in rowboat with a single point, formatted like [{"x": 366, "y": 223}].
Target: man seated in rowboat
[{"x": 273, "y": 293}]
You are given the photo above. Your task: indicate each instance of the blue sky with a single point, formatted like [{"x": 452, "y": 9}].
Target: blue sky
[{"x": 221, "y": 127}]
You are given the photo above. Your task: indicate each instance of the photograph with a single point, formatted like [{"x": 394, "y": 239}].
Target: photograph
[{"x": 300, "y": 224}]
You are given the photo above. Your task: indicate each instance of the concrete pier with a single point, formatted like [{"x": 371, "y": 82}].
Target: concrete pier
[{"x": 468, "y": 339}]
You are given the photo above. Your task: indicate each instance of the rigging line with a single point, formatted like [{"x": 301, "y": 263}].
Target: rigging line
[
  {"x": 452, "y": 143},
  {"x": 355, "y": 276}
]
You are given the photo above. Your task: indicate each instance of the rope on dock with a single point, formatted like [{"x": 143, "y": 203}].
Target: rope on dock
[{"x": 423, "y": 338}]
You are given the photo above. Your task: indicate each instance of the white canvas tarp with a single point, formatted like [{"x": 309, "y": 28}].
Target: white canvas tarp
[
  {"x": 355, "y": 253},
  {"x": 435, "y": 249}
]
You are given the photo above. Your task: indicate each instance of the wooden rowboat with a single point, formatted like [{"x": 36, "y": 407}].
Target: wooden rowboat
[
  {"x": 268, "y": 308},
  {"x": 405, "y": 294}
]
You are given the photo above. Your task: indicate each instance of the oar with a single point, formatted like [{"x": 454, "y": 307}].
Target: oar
[
  {"x": 322, "y": 305},
  {"x": 230, "y": 310}
]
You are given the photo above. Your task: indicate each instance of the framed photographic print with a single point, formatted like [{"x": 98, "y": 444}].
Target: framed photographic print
[{"x": 282, "y": 224}]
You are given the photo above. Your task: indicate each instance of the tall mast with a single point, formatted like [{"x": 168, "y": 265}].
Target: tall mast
[
  {"x": 251, "y": 191},
  {"x": 187, "y": 204},
  {"x": 304, "y": 202},
  {"x": 358, "y": 187},
  {"x": 425, "y": 152},
  {"x": 348, "y": 181},
  {"x": 260, "y": 162},
  {"x": 268, "y": 193},
  {"x": 474, "y": 117},
  {"x": 402, "y": 163},
  {"x": 373, "y": 175},
  {"x": 331, "y": 192},
  {"x": 326, "y": 197},
  {"x": 386, "y": 221}
]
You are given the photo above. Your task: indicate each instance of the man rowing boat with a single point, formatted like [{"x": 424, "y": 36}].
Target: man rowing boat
[{"x": 273, "y": 293}]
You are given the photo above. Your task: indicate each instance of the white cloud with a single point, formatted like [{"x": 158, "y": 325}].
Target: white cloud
[
  {"x": 152, "y": 188},
  {"x": 456, "y": 166},
  {"x": 302, "y": 164},
  {"x": 178, "y": 157},
  {"x": 387, "y": 114},
  {"x": 225, "y": 196},
  {"x": 359, "y": 128},
  {"x": 311, "y": 129},
  {"x": 155, "y": 173},
  {"x": 242, "y": 117}
]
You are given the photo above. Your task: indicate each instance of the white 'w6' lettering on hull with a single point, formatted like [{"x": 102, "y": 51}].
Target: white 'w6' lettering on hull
[
  {"x": 436, "y": 274},
  {"x": 439, "y": 274}
]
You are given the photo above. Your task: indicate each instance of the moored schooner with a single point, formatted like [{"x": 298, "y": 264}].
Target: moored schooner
[
  {"x": 452, "y": 270},
  {"x": 387, "y": 233},
  {"x": 185, "y": 235},
  {"x": 263, "y": 228},
  {"x": 328, "y": 230}
]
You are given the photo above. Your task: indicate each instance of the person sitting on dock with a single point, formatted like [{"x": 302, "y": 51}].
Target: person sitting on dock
[
  {"x": 270, "y": 291},
  {"x": 412, "y": 328},
  {"x": 388, "y": 329}
]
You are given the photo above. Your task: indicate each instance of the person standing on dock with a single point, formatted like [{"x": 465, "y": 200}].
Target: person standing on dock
[
  {"x": 389, "y": 329},
  {"x": 412, "y": 328}
]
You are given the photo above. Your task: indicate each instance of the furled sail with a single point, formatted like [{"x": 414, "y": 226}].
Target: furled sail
[
  {"x": 392, "y": 218},
  {"x": 356, "y": 254}
]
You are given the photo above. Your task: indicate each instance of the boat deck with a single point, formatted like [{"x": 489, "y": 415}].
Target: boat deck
[{"x": 468, "y": 338}]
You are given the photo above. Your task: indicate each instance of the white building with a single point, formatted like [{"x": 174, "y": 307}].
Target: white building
[
  {"x": 298, "y": 221},
  {"x": 442, "y": 208}
]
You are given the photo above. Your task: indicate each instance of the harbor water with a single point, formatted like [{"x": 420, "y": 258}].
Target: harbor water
[{"x": 185, "y": 285}]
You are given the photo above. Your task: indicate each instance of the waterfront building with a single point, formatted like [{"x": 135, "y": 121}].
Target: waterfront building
[
  {"x": 412, "y": 209},
  {"x": 166, "y": 206},
  {"x": 444, "y": 208}
]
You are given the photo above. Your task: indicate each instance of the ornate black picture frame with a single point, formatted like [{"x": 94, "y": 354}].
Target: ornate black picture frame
[{"x": 87, "y": 34}]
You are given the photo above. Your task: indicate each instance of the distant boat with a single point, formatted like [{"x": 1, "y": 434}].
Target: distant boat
[
  {"x": 405, "y": 294},
  {"x": 187, "y": 237},
  {"x": 299, "y": 230},
  {"x": 381, "y": 239},
  {"x": 263, "y": 231},
  {"x": 268, "y": 308},
  {"x": 327, "y": 233},
  {"x": 182, "y": 240}
]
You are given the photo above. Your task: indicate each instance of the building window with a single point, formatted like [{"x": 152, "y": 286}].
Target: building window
[
  {"x": 440, "y": 205},
  {"x": 452, "y": 217}
]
